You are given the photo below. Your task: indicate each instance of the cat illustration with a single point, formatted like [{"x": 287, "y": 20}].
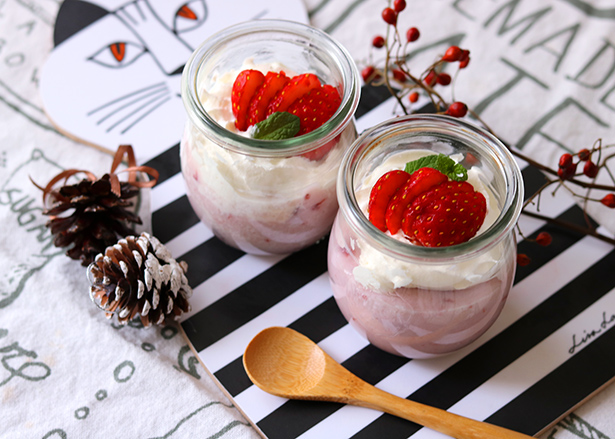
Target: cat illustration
[{"x": 115, "y": 72}]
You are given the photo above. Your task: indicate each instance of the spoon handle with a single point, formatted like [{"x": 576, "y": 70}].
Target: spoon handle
[{"x": 431, "y": 417}]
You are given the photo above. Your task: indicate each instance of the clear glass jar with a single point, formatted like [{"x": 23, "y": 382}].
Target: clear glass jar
[
  {"x": 260, "y": 196},
  {"x": 414, "y": 301}
]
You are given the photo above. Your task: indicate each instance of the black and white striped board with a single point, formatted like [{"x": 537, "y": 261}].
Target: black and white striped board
[{"x": 551, "y": 349}]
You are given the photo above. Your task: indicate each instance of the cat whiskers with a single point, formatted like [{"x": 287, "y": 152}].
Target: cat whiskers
[{"x": 126, "y": 111}]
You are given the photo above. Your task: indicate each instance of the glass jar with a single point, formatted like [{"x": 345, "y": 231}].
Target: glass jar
[
  {"x": 415, "y": 301},
  {"x": 263, "y": 196}
]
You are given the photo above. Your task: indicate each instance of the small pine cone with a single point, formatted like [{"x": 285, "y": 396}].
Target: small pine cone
[
  {"x": 98, "y": 218},
  {"x": 138, "y": 276}
]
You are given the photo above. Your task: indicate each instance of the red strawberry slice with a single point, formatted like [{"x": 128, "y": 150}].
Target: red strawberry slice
[
  {"x": 315, "y": 107},
  {"x": 381, "y": 195},
  {"x": 274, "y": 82},
  {"x": 447, "y": 214},
  {"x": 244, "y": 87},
  {"x": 296, "y": 87},
  {"x": 420, "y": 181},
  {"x": 320, "y": 153}
]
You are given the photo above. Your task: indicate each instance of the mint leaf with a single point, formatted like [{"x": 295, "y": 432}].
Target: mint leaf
[
  {"x": 278, "y": 126},
  {"x": 440, "y": 162}
]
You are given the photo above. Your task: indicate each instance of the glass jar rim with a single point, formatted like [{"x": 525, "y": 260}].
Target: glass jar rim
[
  {"x": 361, "y": 225},
  {"x": 271, "y": 148}
]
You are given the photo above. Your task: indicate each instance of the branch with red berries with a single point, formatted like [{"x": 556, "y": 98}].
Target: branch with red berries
[
  {"x": 577, "y": 173},
  {"x": 395, "y": 74}
]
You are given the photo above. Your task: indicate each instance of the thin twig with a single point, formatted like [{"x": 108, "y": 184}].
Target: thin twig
[{"x": 571, "y": 226}]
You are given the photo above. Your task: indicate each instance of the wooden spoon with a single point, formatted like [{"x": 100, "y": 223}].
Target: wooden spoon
[{"x": 286, "y": 363}]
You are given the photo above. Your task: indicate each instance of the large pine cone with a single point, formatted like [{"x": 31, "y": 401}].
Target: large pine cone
[
  {"x": 138, "y": 276},
  {"x": 98, "y": 220}
]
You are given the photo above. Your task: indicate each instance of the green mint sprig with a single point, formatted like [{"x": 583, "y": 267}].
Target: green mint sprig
[
  {"x": 440, "y": 162},
  {"x": 278, "y": 126}
]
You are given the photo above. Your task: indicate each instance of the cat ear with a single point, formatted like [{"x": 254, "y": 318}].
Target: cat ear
[{"x": 73, "y": 16}]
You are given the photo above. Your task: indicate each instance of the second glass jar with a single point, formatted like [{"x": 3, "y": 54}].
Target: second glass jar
[{"x": 415, "y": 301}]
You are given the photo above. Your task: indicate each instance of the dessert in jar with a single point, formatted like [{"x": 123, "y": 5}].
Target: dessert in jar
[
  {"x": 422, "y": 253},
  {"x": 258, "y": 171}
]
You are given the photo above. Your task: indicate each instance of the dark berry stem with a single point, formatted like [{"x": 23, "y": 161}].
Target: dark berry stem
[{"x": 571, "y": 226}]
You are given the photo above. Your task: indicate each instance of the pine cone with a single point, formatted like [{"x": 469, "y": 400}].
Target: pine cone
[
  {"x": 99, "y": 219},
  {"x": 138, "y": 276}
]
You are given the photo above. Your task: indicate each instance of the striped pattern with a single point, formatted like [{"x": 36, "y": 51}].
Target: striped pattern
[{"x": 521, "y": 374}]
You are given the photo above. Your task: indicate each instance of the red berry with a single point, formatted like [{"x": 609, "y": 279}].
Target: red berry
[
  {"x": 447, "y": 214},
  {"x": 584, "y": 154},
  {"x": 443, "y": 79},
  {"x": 389, "y": 16},
  {"x": 464, "y": 60},
  {"x": 457, "y": 109},
  {"x": 399, "y": 75},
  {"x": 368, "y": 73},
  {"x": 378, "y": 41},
  {"x": 590, "y": 169},
  {"x": 293, "y": 90},
  {"x": 399, "y": 5},
  {"x": 543, "y": 239},
  {"x": 381, "y": 195},
  {"x": 412, "y": 34},
  {"x": 452, "y": 54},
  {"x": 274, "y": 82},
  {"x": 244, "y": 87},
  {"x": 565, "y": 160},
  {"x": 413, "y": 97},
  {"x": 420, "y": 181},
  {"x": 431, "y": 78},
  {"x": 523, "y": 259},
  {"x": 567, "y": 173},
  {"x": 609, "y": 201}
]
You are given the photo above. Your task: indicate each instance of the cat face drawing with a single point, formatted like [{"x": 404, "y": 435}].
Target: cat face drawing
[{"x": 114, "y": 75}]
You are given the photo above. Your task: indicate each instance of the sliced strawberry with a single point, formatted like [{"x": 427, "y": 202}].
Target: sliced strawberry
[
  {"x": 420, "y": 181},
  {"x": 316, "y": 107},
  {"x": 274, "y": 82},
  {"x": 320, "y": 153},
  {"x": 293, "y": 90},
  {"x": 447, "y": 214},
  {"x": 381, "y": 195},
  {"x": 244, "y": 87}
]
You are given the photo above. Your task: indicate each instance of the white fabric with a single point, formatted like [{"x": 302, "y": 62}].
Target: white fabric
[{"x": 65, "y": 370}]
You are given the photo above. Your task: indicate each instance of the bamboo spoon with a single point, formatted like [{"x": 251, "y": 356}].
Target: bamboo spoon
[{"x": 286, "y": 363}]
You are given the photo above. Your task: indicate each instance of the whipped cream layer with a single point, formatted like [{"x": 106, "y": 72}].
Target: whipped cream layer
[
  {"x": 384, "y": 273},
  {"x": 245, "y": 174}
]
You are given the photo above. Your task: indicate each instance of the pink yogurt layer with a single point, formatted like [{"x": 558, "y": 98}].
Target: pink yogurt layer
[
  {"x": 274, "y": 225},
  {"x": 415, "y": 322}
]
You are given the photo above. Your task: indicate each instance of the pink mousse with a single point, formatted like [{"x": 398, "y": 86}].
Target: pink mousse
[
  {"x": 414, "y": 322},
  {"x": 275, "y": 225}
]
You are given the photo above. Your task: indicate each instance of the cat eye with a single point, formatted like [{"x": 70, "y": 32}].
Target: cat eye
[
  {"x": 186, "y": 12},
  {"x": 118, "y": 54},
  {"x": 189, "y": 16},
  {"x": 118, "y": 50}
]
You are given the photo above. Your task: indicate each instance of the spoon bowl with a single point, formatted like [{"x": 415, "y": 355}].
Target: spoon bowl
[{"x": 286, "y": 363}]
